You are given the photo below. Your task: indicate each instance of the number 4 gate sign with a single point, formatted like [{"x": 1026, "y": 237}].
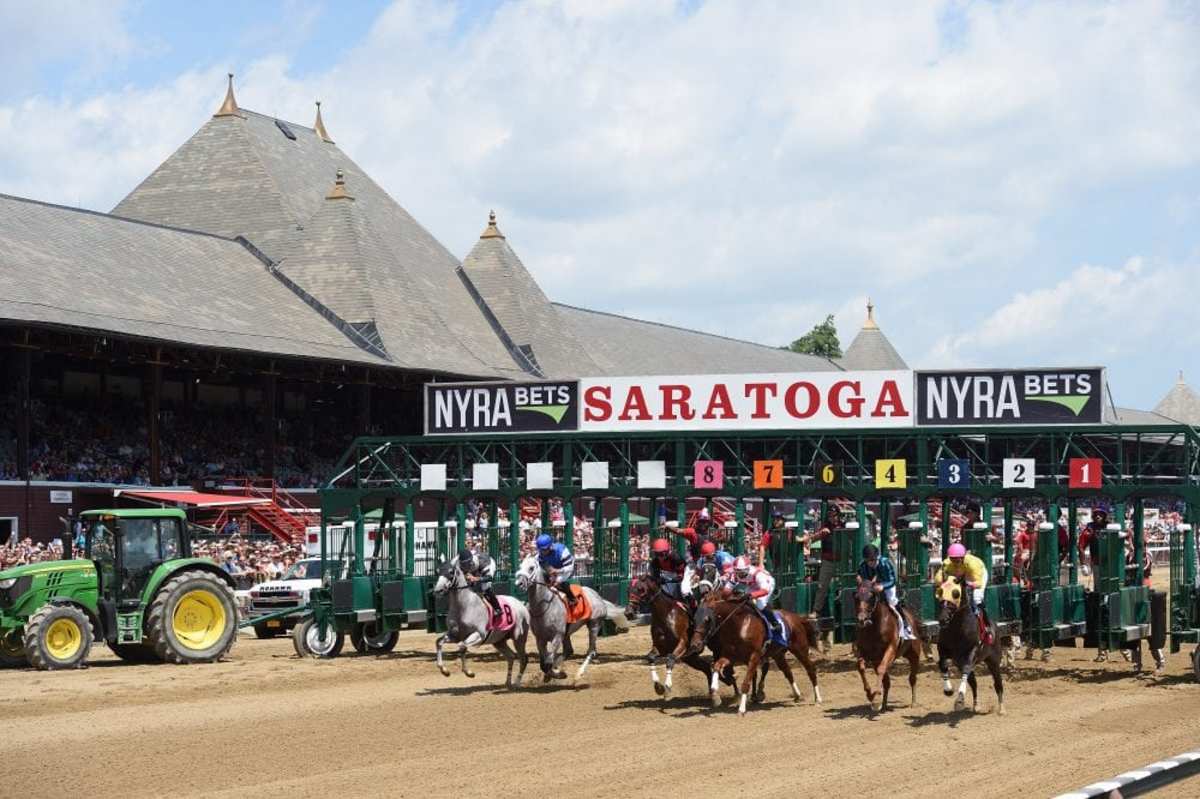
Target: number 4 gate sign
[
  {"x": 891, "y": 473},
  {"x": 710, "y": 474}
]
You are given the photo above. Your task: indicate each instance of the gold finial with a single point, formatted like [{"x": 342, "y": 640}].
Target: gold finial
[
  {"x": 870, "y": 323},
  {"x": 338, "y": 192},
  {"x": 229, "y": 108},
  {"x": 491, "y": 231},
  {"x": 319, "y": 127}
]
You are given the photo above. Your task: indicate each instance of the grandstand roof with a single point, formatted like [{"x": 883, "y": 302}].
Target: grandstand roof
[
  {"x": 871, "y": 349},
  {"x": 530, "y": 320},
  {"x": 82, "y": 269},
  {"x": 619, "y": 345},
  {"x": 1181, "y": 404}
]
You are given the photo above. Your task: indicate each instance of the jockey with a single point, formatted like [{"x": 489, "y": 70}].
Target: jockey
[
  {"x": 667, "y": 568},
  {"x": 479, "y": 568},
  {"x": 759, "y": 583},
  {"x": 709, "y": 557},
  {"x": 972, "y": 571},
  {"x": 881, "y": 573},
  {"x": 558, "y": 563}
]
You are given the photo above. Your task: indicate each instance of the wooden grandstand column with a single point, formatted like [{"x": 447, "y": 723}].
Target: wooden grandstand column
[
  {"x": 153, "y": 415},
  {"x": 270, "y": 389}
]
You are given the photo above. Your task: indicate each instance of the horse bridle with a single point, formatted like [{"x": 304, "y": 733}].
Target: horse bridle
[{"x": 545, "y": 602}]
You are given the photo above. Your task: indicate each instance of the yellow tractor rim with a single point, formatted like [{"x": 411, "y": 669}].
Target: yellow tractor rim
[
  {"x": 63, "y": 639},
  {"x": 199, "y": 620}
]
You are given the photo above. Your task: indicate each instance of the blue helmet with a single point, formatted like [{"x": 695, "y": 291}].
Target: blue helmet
[
  {"x": 545, "y": 541},
  {"x": 723, "y": 557}
]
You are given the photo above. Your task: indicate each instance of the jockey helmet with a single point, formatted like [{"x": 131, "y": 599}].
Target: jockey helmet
[
  {"x": 741, "y": 566},
  {"x": 870, "y": 552},
  {"x": 708, "y": 548},
  {"x": 956, "y": 551},
  {"x": 660, "y": 546},
  {"x": 465, "y": 556},
  {"x": 544, "y": 541},
  {"x": 704, "y": 513}
]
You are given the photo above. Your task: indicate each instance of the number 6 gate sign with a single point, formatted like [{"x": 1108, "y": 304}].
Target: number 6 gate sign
[{"x": 710, "y": 474}]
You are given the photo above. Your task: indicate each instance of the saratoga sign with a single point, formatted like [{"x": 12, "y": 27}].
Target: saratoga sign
[{"x": 809, "y": 400}]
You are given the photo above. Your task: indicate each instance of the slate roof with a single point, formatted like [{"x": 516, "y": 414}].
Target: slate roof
[
  {"x": 871, "y": 350},
  {"x": 531, "y": 321},
  {"x": 240, "y": 175},
  {"x": 1181, "y": 404},
  {"x": 619, "y": 345},
  {"x": 75, "y": 268}
]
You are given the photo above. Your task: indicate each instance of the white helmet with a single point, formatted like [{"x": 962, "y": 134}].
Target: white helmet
[{"x": 741, "y": 566}]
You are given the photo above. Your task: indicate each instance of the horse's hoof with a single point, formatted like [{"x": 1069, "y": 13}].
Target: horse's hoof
[
  {"x": 559, "y": 675},
  {"x": 659, "y": 689},
  {"x": 546, "y": 678},
  {"x": 876, "y": 704},
  {"x": 470, "y": 674},
  {"x": 759, "y": 698},
  {"x": 947, "y": 693},
  {"x": 714, "y": 699},
  {"x": 1000, "y": 709},
  {"x": 960, "y": 702},
  {"x": 445, "y": 671}
]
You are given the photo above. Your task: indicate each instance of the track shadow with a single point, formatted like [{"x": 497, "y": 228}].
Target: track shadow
[
  {"x": 862, "y": 711},
  {"x": 468, "y": 690},
  {"x": 1079, "y": 675},
  {"x": 943, "y": 718}
]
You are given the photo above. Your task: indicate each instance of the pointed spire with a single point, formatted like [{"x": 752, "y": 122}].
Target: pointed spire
[
  {"x": 338, "y": 192},
  {"x": 870, "y": 323},
  {"x": 229, "y": 108},
  {"x": 491, "y": 231},
  {"x": 319, "y": 126}
]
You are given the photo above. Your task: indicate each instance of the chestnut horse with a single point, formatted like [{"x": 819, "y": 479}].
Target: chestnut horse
[
  {"x": 742, "y": 640},
  {"x": 877, "y": 642},
  {"x": 670, "y": 621}
]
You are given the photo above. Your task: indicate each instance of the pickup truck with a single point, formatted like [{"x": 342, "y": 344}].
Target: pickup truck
[{"x": 290, "y": 591}]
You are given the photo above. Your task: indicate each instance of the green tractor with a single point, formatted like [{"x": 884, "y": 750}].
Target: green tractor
[{"x": 137, "y": 588}]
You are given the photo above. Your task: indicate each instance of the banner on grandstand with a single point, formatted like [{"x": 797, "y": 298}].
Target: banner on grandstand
[
  {"x": 545, "y": 407},
  {"x": 1011, "y": 397},
  {"x": 809, "y": 400}
]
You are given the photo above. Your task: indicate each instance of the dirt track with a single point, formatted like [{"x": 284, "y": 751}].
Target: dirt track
[{"x": 267, "y": 722}]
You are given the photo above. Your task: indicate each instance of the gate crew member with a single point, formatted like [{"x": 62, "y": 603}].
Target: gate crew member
[
  {"x": 667, "y": 568},
  {"x": 480, "y": 570},
  {"x": 880, "y": 572},
  {"x": 558, "y": 563},
  {"x": 696, "y": 538},
  {"x": 759, "y": 584},
  {"x": 964, "y": 566},
  {"x": 824, "y": 534},
  {"x": 773, "y": 542}
]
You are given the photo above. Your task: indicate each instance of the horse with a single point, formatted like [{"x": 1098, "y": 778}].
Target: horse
[
  {"x": 742, "y": 640},
  {"x": 469, "y": 622},
  {"x": 878, "y": 644},
  {"x": 548, "y": 615},
  {"x": 670, "y": 621},
  {"x": 959, "y": 641}
]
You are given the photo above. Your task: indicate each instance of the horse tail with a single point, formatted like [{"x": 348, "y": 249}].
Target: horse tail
[
  {"x": 814, "y": 632},
  {"x": 616, "y": 615}
]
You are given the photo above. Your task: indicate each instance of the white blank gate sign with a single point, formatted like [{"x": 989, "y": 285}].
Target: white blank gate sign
[
  {"x": 652, "y": 474},
  {"x": 1018, "y": 472},
  {"x": 433, "y": 477},
  {"x": 595, "y": 475},
  {"x": 485, "y": 476},
  {"x": 539, "y": 475}
]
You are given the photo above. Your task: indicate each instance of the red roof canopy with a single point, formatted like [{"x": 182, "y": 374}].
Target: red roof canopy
[{"x": 193, "y": 499}]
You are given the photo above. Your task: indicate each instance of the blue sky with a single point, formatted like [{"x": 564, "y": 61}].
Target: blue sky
[{"x": 1012, "y": 183}]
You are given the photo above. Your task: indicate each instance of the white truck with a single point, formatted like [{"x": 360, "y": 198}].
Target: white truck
[{"x": 290, "y": 591}]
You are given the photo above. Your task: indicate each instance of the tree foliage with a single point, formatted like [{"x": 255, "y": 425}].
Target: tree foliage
[{"x": 822, "y": 340}]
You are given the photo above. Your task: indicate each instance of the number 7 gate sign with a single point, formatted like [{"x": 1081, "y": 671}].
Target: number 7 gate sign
[
  {"x": 1084, "y": 473},
  {"x": 710, "y": 474}
]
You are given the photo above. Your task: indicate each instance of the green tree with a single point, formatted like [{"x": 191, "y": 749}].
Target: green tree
[{"x": 822, "y": 340}]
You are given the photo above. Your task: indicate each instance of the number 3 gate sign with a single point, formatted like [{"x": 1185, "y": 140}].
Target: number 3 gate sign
[
  {"x": 953, "y": 473},
  {"x": 710, "y": 474}
]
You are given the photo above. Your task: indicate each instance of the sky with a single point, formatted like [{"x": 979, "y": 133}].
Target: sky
[{"x": 1012, "y": 184}]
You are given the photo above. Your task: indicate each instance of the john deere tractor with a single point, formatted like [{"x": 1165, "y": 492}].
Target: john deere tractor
[{"x": 138, "y": 589}]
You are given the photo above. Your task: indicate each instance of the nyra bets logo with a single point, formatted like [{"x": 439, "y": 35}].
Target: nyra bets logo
[
  {"x": 1027, "y": 397},
  {"x": 500, "y": 407}
]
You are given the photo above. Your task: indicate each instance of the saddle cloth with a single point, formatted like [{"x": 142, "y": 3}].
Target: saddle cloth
[
  {"x": 581, "y": 610},
  {"x": 505, "y": 619},
  {"x": 778, "y": 636}
]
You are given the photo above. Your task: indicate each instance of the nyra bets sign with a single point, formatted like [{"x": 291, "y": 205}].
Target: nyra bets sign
[
  {"x": 456, "y": 408},
  {"x": 809, "y": 400},
  {"x": 1011, "y": 397}
]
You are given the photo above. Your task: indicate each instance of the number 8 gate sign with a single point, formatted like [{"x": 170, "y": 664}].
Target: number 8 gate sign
[{"x": 710, "y": 474}]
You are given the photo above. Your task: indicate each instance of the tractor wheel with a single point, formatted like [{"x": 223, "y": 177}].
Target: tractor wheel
[
  {"x": 369, "y": 642},
  {"x": 263, "y": 631},
  {"x": 192, "y": 619},
  {"x": 308, "y": 643},
  {"x": 58, "y": 637},
  {"x": 12, "y": 650},
  {"x": 135, "y": 653}
]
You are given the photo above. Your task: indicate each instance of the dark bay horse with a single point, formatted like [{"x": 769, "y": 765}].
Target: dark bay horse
[
  {"x": 960, "y": 642},
  {"x": 742, "y": 640},
  {"x": 670, "y": 621},
  {"x": 878, "y": 643}
]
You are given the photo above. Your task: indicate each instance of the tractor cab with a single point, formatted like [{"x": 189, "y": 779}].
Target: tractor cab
[{"x": 128, "y": 546}]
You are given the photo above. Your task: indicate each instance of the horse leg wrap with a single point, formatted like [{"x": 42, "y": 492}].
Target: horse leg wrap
[
  {"x": 654, "y": 672},
  {"x": 712, "y": 688},
  {"x": 817, "y": 694},
  {"x": 742, "y": 705},
  {"x": 796, "y": 691},
  {"x": 960, "y": 697},
  {"x": 947, "y": 689},
  {"x": 583, "y": 666}
]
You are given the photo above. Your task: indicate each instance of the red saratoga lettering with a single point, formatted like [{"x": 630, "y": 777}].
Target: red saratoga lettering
[
  {"x": 759, "y": 392},
  {"x": 597, "y": 404},
  {"x": 814, "y": 399},
  {"x": 889, "y": 396},
  {"x": 676, "y": 397},
  {"x": 719, "y": 399},
  {"x": 853, "y": 405},
  {"x": 635, "y": 401}
]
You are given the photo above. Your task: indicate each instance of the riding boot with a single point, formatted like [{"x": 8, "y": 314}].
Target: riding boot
[
  {"x": 493, "y": 602},
  {"x": 565, "y": 589}
]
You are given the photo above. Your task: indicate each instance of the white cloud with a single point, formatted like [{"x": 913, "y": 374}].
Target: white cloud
[{"x": 87, "y": 33}]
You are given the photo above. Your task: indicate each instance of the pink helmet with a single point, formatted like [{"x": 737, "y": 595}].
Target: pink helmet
[
  {"x": 957, "y": 551},
  {"x": 704, "y": 513}
]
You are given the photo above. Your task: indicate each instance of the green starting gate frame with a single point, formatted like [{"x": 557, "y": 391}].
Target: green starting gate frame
[{"x": 382, "y": 472}]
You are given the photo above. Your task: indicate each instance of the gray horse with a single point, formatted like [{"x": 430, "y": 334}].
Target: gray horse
[
  {"x": 467, "y": 623},
  {"x": 548, "y": 614}
]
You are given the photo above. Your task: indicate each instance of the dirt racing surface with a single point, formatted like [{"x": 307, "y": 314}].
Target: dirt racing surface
[{"x": 268, "y": 723}]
